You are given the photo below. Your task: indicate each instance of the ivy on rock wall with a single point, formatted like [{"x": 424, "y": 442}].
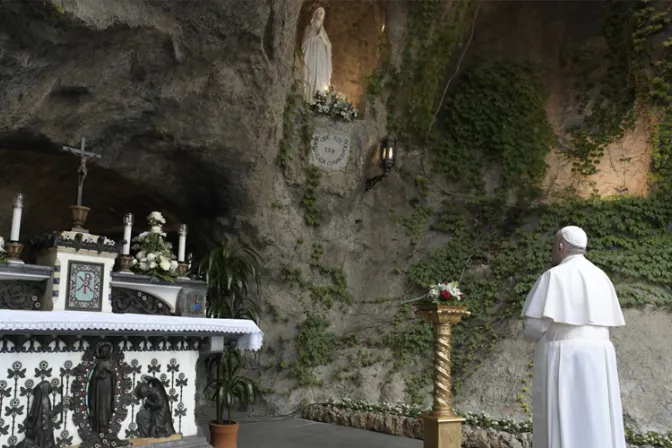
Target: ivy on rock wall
[
  {"x": 606, "y": 97},
  {"x": 652, "y": 68},
  {"x": 498, "y": 247},
  {"x": 493, "y": 126},
  {"x": 435, "y": 30},
  {"x": 496, "y": 117}
]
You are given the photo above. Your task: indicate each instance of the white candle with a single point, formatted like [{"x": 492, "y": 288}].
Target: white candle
[
  {"x": 128, "y": 226},
  {"x": 182, "y": 243},
  {"x": 16, "y": 218}
]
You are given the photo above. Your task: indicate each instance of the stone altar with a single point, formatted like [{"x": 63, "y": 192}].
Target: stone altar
[{"x": 93, "y": 335}]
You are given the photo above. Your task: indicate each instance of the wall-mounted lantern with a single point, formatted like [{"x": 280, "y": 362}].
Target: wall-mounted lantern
[
  {"x": 387, "y": 157},
  {"x": 388, "y": 153}
]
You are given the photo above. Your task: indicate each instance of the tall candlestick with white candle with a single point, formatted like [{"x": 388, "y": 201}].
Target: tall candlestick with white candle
[
  {"x": 182, "y": 243},
  {"x": 128, "y": 226},
  {"x": 16, "y": 218}
]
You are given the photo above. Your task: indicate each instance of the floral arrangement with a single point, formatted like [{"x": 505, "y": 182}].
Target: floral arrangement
[
  {"x": 155, "y": 255},
  {"x": 3, "y": 254},
  {"x": 444, "y": 292},
  {"x": 483, "y": 420},
  {"x": 333, "y": 104}
]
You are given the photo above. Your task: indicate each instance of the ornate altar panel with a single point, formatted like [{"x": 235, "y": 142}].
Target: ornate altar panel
[{"x": 29, "y": 361}]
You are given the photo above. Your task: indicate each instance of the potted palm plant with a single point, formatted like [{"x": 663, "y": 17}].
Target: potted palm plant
[
  {"x": 231, "y": 272},
  {"x": 229, "y": 387}
]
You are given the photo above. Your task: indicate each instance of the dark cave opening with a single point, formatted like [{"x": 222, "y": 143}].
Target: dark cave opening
[
  {"x": 47, "y": 178},
  {"x": 48, "y": 182}
]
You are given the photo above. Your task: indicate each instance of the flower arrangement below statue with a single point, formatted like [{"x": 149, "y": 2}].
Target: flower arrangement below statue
[
  {"x": 333, "y": 104},
  {"x": 444, "y": 293},
  {"x": 154, "y": 256},
  {"x": 3, "y": 253}
]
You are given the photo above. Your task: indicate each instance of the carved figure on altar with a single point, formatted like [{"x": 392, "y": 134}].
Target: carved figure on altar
[
  {"x": 316, "y": 48},
  {"x": 154, "y": 419},
  {"x": 100, "y": 390},
  {"x": 39, "y": 425}
]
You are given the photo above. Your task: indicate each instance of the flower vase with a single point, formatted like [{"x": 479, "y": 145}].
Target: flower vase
[{"x": 443, "y": 429}]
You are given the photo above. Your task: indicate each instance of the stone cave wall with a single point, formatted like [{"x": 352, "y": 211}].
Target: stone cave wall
[
  {"x": 357, "y": 235},
  {"x": 643, "y": 356},
  {"x": 186, "y": 103},
  {"x": 547, "y": 36}
]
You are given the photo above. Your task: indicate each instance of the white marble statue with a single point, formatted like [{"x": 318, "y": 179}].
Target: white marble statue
[{"x": 316, "y": 49}]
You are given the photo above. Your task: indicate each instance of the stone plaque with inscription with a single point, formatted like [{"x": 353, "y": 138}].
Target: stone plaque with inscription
[{"x": 330, "y": 149}]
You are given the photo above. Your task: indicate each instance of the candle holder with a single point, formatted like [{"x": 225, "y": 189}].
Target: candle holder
[
  {"x": 79, "y": 214},
  {"x": 182, "y": 243},
  {"x": 183, "y": 230},
  {"x": 182, "y": 269},
  {"x": 125, "y": 263},
  {"x": 443, "y": 429},
  {"x": 14, "y": 249}
]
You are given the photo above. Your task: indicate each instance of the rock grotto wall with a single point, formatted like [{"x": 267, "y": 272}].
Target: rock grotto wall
[
  {"x": 643, "y": 363},
  {"x": 186, "y": 102},
  {"x": 179, "y": 98}
]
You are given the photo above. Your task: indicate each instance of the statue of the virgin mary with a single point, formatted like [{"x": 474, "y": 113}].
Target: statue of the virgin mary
[{"x": 316, "y": 49}]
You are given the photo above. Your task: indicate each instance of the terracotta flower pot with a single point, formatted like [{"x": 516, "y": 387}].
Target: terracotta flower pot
[{"x": 224, "y": 436}]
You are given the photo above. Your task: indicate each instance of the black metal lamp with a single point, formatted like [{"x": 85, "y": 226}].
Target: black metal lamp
[
  {"x": 388, "y": 153},
  {"x": 387, "y": 157}
]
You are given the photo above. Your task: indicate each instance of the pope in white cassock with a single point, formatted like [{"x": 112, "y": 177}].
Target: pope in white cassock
[{"x": 569, "y": 312}]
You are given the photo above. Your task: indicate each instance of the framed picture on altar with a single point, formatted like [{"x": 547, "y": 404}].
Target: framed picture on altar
[{"x": 85, "y": 286}]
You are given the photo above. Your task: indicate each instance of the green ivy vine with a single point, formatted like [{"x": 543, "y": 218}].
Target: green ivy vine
[
  {"x": 496, "y": 118},
  {"x": 434, "y": 30},
  {"x": 310, "y": 196},
  {"x": 653, "y": 72},
  {"x": 498, "y": 247},
  {"x": 607, "y": 97},
  {"x": 316, "y": 346},
  {"x": 499, "y": 240},
  {"x": 296, "y": 138}
]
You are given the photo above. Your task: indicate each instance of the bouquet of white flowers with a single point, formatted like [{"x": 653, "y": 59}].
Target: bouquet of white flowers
[
  {"x": 154, "y": 254},
  {"x": 3, "y": 253},
  {"x": 333, "y": 104}
]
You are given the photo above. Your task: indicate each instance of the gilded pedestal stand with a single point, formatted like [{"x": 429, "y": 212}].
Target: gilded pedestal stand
[{"x": 443, "y": 429}]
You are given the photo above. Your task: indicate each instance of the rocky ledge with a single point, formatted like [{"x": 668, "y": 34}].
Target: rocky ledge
[
  {"x": 472, "y": 437},
  {"x": 413, "y": 427}
]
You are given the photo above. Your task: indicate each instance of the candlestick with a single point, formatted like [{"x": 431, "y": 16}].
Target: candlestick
[
  {"x": 16, "y": 218},
  {"x": 128, "y": 226},
  {"x": 182, "y": 243}
]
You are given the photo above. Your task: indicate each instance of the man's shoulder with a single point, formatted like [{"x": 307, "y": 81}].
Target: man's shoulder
[{"x": 579, "y": 264}]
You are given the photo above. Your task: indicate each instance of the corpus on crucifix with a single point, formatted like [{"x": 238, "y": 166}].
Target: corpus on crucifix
[{"x": 82, "y": 171}]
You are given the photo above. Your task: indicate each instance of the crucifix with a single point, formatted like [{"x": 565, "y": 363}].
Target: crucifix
[{"x": 83, "y": 157}]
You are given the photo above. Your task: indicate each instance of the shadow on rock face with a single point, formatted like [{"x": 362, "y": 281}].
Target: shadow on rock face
[
  {"x": 150, "y": 174},
  {"x": 48, "y": 182}
]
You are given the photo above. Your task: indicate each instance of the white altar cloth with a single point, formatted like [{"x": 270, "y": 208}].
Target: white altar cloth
[{"x": 84, "y": 321}]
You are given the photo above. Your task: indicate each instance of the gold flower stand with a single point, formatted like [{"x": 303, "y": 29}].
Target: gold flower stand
[{"x": 443, "y": 429}]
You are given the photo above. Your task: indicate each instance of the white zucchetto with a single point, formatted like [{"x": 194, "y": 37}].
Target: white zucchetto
[{"x": 575, "y": 236}]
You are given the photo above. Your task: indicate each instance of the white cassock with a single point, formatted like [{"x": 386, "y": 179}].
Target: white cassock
[{"x": 576, "y": 395}]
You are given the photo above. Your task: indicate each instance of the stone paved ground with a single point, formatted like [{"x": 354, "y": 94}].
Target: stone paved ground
[{"x": 300, "y": 433}]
